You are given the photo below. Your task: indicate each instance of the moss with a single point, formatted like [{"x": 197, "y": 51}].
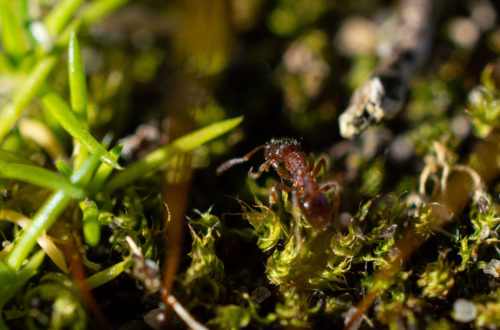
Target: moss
[{"x": 111, "y": 134}]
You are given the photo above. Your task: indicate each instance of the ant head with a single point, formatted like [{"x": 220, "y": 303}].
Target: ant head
[
  {"x": 277, "y": 149},
  {"x": 316, "y": 210}
]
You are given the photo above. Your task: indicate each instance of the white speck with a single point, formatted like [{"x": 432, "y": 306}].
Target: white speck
[
  {"x": 464, "y": 32},
  {"x": 155, "y": 318},
  {"x": 464, "y": 310},
  {"x": 356, "y": 36},
  {"x": 492, "y": 268},
  {"x": 461, "y": 126},
  {"x": 484, "y": 14},
  {"x": 41, "y": 35}
]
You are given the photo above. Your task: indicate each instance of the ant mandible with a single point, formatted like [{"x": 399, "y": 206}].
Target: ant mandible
[{"x": 290, "y": 162}]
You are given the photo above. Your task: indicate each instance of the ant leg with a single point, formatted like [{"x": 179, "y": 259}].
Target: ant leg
[
  {"x": 329, "y": 186},
  {"x": 281, "y": 172},
  {"x": 230, "y": 163},
  {"x": 311, "y": 162},
  {"x": 297, "y": 229},
  {"x": 273, "y": 196},
  {"x": 262, "y": 168},
  {"x": 321, "y": 164}
]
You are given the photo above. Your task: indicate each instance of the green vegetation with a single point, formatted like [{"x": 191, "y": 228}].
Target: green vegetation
[{"x": 114, "y": 117}]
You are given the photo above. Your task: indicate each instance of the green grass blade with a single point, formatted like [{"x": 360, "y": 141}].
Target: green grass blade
[
  {"x": 8, "y": 279},
  {"x": 12, "y": 157},
  {"x": 91, "y": 13},
  {"x": 108, "y": 274},
  {"x": 103, "y": 172},
  {"x": 40, "y": 177},
  {"x": 30, "y": 269},
  {"x": 60, "y": 110},
  {"x": 65, "y": 36},
  {"x": 84, "y": 173},
  {"x": 160, "y": 156},
  {"x": 14, "y": 38},
  {"x": 47, "y": 215},
  {"x": 12, "y": 111},
  {"x": 98, "y": 9},
  {"x": 57, "y": 19},
  {"x": 13, "y": 281},
  {"x": 22, "y": 7},
  {"x": 42, "y": 221},
  {"x": 91, "y": 226},
  {"x": 77, "y": 83},
  {"x": 64, "y": 168}
]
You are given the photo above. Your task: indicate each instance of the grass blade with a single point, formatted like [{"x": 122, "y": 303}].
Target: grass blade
[
  {"x": 60, "y": 110},
  {"x": 160, "y": 156},
  {"x": 99, "y": 9},
  {"x": 40, "y": 177},
  {"x": 93, "y": 12},
  {"x": 45, "y": 217},
  {"x": 39, "y": 132},
  {"x": 13, "y": 281},
  {"x": 108, "y": 274},
  {"x": 91, "y": 226},
  {"x": 103, "y": 172},
  {"x": 14, "y": 38},
  {"x": 60, "y": 15},
  {"x": 12, "y": 111},
  {"x": 47, "y": 245},
  {"x": 42, "y": 221},
  {"x": 11, "y": 157},
  {"x": 77, "y": 82}
]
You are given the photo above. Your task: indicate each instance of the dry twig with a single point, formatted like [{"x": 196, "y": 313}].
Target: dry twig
[{"x": 384, "y": 94}]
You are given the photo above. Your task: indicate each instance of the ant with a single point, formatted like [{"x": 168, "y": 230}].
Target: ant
[{"x": 290, "y": 162}]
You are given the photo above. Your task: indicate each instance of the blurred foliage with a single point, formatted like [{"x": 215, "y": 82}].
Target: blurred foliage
[{"x": 110, "y": 110}]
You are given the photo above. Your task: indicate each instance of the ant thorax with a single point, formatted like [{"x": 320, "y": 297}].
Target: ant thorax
[
  {"x": 311, "y": 187},
  {"x": 296, "y": 164}
]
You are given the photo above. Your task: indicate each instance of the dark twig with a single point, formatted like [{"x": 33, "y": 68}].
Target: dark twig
[{"x": 384, "y": 93}]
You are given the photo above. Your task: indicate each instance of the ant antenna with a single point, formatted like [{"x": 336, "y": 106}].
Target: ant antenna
[{"x": 230, "y": 163}]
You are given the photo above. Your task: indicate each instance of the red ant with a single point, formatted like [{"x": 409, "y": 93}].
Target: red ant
[{"x": 299, "y": 171}]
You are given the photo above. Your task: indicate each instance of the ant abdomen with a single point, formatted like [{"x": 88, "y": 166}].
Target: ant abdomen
[{"x": 316, "y": 210}]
